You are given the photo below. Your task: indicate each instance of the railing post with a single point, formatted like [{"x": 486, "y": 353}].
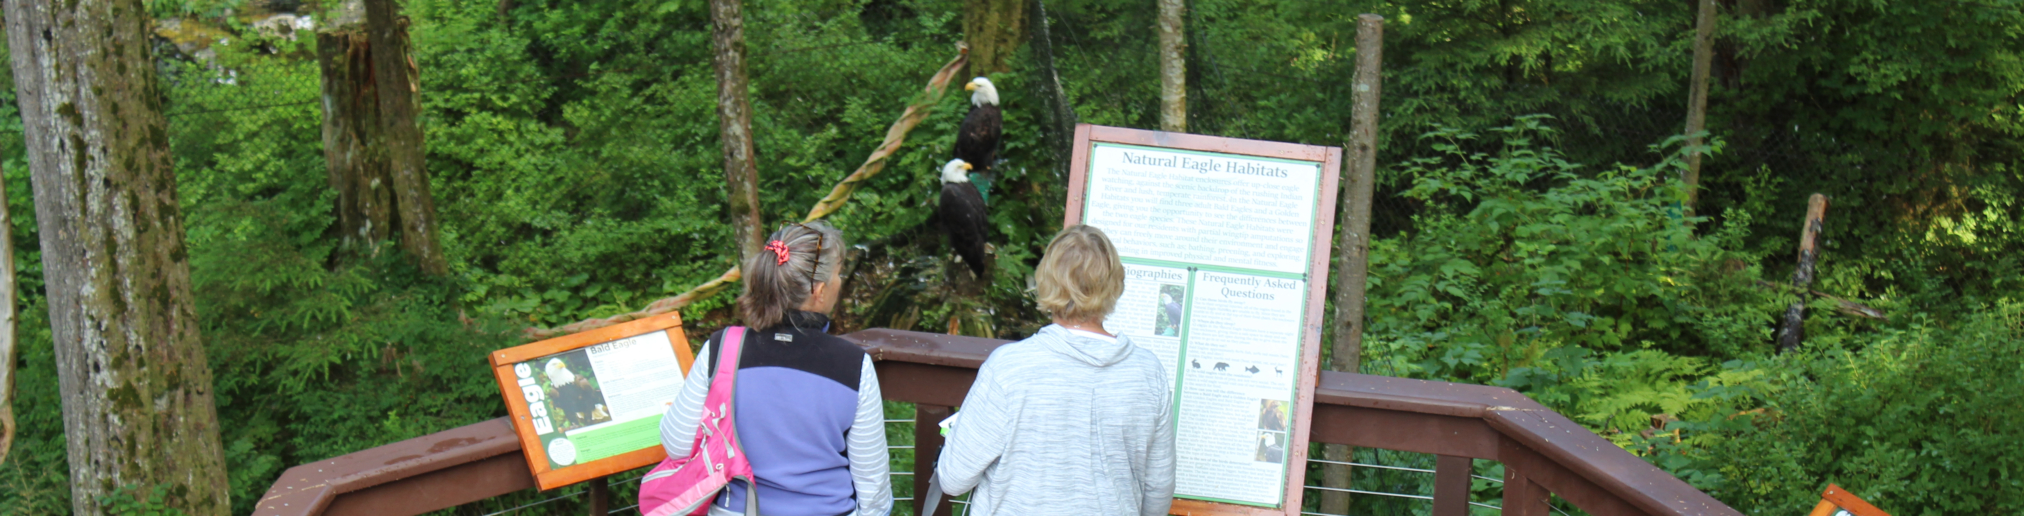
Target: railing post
[
  {"x": 600, "y": 496},
  {"x": 927, "y": 449},
  {"x": 1522, "y": 496},
  {"x": 1451, "y": 485}
]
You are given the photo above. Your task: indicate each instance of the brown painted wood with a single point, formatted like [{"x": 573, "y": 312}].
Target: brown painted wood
[
  {"x": 423, "y": 474},
  {"x": 1585, "y": 455},
  {"x": 1451, "y": 485},
  {"x": 1078, "y": 186},
  {"x": 1542, "y": 451},
  {"x": 927, "y": 451},
  {"x": 1523, "y": 497},
  {"x": 1562, "y": 482},
  {"x": 516, "y": 406},
  {"x": 1404, "y": 431},
  {"x": 600, "y": 496},
  {"x": 438, "y": 490}
]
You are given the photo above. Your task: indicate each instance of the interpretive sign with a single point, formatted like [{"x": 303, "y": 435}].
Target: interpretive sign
[
  {"x": 1225, "y": 245},
  {"x": 589, "y": 404}
]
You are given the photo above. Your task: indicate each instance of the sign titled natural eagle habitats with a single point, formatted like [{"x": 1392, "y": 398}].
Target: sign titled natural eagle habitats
[
  {"x": 1225, "y": 246},
  {"x": 589, "y": 404}
]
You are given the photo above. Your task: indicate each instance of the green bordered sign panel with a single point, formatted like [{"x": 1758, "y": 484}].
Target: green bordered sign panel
[
  {"x": 589, "y": 404},
  {"x": 1225, "y": 245}
]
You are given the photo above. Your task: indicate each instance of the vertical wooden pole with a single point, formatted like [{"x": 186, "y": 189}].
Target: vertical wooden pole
[
  {"x": 1793, "y": 331},
  {"x": 1352, "y": 272},
  {"x": 1522, "y": 496},
  {"x": 1451, "y": 485},
  {"x": 1173, "y": 67},
  {"x": 927, "y": 450},
  {"x": 1697, "y": 98},
  {"x": 600, "y": 496},
  {"x": 734, "y": 115}
]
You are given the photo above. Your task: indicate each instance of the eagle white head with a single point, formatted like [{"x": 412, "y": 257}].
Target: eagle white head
[
  {"x": 558, "y": 373},
  {"x": 986, "y": 94},
  {"x": 957, "y": 171}
]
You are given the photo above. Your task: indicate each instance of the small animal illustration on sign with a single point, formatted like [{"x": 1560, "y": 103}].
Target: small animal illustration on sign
[
  {"x": 1252, "y": 369},
  {"x": 1196, "y": 363},
  {"x": 1222, "y": 366},
  {"x": 1278, "y": 370}
]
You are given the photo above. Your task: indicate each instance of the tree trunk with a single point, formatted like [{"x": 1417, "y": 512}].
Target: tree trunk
[
  {"x": 354, "y": 141},
  {"x": 1173, "y": 68},
  {"x": 1697, "y": 100},
  {"x": 8, "y": 322},
  {"x": 1060, "y": 117},
  {"x": 394, "y": 82},
  {"x": 734, "y": 114},
  {"x": 137, "y": 407},
  {"x": 994, "y": 29},
  {"x": 1792, "y": 331},
  {"x": 1352, "y": 273}
]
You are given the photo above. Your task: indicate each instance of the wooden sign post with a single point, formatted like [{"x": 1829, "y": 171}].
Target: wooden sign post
[
  {"x": 1225, "y": 245},
  {"x": 589, "y": 404}
]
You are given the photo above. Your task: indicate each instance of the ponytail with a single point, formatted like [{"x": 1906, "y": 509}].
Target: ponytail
[{"x": 780, "y": 278}]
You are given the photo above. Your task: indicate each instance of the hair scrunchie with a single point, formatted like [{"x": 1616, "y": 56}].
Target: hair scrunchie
[{"x": 779, "y": 251}]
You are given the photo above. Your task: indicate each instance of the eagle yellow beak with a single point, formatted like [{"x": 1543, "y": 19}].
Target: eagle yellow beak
[
  {"x": 970, "y": 86},
  {"x": 966, "y": 166}
]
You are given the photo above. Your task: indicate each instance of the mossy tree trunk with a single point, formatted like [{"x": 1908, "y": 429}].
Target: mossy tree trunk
[
  {"x": 994, "y": 29},
  {"x": 355, "y": 142},
  {"x": 734, "y": 115},
  {"x": 137, "y": 393},
  {"x": 394, "y": 83}
]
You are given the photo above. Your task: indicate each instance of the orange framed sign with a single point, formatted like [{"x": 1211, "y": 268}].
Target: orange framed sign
[
  {"x": 1836, "y": 501},
  {"x": 589, "y": 404},
  {"x": 1225, "y": 244}
]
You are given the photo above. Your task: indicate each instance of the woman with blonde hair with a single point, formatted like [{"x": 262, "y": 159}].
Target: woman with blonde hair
[
  {"x": 810, "y": 417},
  {"x": 1074, "y": 420}
]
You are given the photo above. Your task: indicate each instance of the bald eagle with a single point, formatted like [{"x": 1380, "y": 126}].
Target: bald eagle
[
  {"x": 962, "y": 214},
  {"x": 977, "y": 140}
]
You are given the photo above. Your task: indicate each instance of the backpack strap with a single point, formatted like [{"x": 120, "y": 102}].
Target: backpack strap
[{"x": 727, "y": 378}]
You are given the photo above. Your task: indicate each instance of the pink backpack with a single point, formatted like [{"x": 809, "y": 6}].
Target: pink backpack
[{"x": 687, "y": 485}]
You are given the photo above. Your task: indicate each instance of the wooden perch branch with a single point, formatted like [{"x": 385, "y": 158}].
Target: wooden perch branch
[{"x": 838, "y": 196}]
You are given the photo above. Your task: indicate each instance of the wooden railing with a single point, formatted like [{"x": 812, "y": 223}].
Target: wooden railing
[{"x": 1543, "y": 452}]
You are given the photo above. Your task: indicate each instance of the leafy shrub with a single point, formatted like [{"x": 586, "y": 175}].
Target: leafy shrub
[
  {"x": 1917, "y": 420},
  {"x": 1520, "y": 252}
]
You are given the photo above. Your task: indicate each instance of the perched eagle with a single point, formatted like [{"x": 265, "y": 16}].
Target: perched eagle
[
  {"x": 977, "y": 141},
  {"x": 962, "y": 214}
]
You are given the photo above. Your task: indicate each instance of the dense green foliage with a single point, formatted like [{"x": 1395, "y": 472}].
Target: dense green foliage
[{"x": 574, "y": 156}]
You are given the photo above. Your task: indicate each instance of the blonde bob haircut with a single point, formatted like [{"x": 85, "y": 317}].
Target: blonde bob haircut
[{"x": 1080, "y": 278}]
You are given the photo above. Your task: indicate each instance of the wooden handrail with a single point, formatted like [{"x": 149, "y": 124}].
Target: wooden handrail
[{"x": 1542, "y": 451}]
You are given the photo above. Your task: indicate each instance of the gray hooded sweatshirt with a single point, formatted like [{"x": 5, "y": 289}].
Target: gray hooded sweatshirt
[{"x": 1063, "y": 423}]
